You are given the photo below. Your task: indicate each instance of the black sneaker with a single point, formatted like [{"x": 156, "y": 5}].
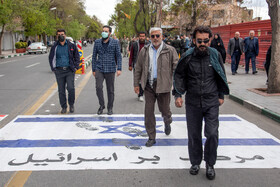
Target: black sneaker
[
  {"x": 210, "y": 172},
  {"x": 150, "y": 143},
  {"x": 72, "y": 109},
  {"x": 255, "y": 72},
  {"x": 63, "y": 110},
  {"x": 100, "y": 110},
  {"x": 194, "y": 169}
]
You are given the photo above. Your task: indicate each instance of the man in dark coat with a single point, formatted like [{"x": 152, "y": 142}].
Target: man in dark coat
[
  {"x": 134, "y": 52},
  {"x": 235, "y": 49},
  {"x": 64, "y": 60},
  {"x": 251, "y": 50},
  {"x": 200, "y": 73}
]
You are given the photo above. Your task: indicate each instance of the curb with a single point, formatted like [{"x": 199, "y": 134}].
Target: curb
[
  {"x": 88, "y": 61},
  {"x": 256, "y": 108},
  {"x": 10, "y": 56}
]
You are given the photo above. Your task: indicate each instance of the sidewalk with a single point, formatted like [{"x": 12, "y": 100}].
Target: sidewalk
[
  {"x": 240, "y": 84},
  {"x": 9, "y": 54}
]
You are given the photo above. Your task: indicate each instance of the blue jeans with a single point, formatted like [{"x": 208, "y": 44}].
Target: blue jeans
[
  {"x": 248, "y": 56},
  {"x": 235, "y": 58},
  {"x": 63, "y": 78}
]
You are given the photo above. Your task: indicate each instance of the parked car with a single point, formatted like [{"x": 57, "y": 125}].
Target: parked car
[{"x": 37, "y": 47}]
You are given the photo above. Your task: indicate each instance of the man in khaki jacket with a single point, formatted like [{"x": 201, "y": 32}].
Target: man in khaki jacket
[{"x": 154, "y": 70}]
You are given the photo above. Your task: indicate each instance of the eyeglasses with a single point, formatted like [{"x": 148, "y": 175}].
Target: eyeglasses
[
  {"x": 204, "y": 41},
  {"x": 153, "y": 36}
]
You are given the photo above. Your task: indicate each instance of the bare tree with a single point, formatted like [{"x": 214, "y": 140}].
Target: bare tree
[
  {"x": 158, "y": 16},
  {"x": 274, "y": 70}
]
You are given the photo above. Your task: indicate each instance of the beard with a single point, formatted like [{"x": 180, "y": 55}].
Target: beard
[
  {"x": 201, "y": 50},
  {"x": 156, "y": 43}
]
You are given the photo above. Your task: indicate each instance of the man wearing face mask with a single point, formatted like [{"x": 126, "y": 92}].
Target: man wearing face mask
[
  {"x": 64, "y": 60},
  {"x": 106, "y": 62},
  {"x": 200, "y": 73},
  {"x": 155, "y": 65}
]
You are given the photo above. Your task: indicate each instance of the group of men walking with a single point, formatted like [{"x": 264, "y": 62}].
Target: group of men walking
[
  {"x": 199, "y": 74},
  {"x": 237, "y": 46}
]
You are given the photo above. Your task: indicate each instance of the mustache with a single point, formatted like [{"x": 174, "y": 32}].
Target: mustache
[{"x": 202, "y": 46}]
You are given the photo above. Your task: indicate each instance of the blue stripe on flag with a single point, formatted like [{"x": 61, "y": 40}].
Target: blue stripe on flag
[
  {"x": 129, "y": 142},
  {"x": 105, "y": 119}
]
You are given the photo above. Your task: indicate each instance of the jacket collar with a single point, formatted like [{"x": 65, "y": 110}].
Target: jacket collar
[{"x": 164, "y": 46}]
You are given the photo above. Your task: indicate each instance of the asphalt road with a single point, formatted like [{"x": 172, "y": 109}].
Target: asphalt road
[{"x": 27, "y": 78}]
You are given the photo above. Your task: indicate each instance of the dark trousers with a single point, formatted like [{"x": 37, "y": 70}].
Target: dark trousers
[
  {"x": 141, "y": 91},
  {"x": 235, "y": 59},
  {"x": 63, "y": 78},
  {"x": 252, "y": 56},
  {"x": 163, "y": 100},
  {"x": 110, "y": 81},
  {"x": 195, "y": 116}
]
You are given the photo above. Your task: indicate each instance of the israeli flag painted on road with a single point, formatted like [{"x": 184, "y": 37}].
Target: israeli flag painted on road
[{"x": 76, "y": 142}]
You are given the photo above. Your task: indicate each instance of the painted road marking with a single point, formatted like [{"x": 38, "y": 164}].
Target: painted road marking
[
  {"x": 78, "y": 142},
  {"x": 8, "y": 61},
  {"x": 32, "y": 65},
  {"x": 20, "y": 177},
  {"x": 100, "y": 118},
  {"x": 2, "y": 75},
  {"x": 3, "y": 117}
]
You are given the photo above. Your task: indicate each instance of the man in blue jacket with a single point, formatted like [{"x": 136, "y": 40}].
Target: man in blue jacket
[
  {"x": 106, "y": 61},
  {"x": 64, "y": 60},
  {"x": 251, "y": 49}
]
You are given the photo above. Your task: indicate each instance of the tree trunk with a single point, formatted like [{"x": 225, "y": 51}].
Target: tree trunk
[
  {"x": 274, "y": 69},
  {"x": 1, "y": 37},
  {"x": 45, "y": 39},
  {"x": 180, "y": 23},
  {"x": 136, "y": 16},
  {"x": 158, "y": 16},
  {"x": 194, "y": 14},
  {"x": 13, "y": 42}
]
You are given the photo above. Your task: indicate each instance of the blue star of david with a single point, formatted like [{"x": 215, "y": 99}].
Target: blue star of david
[{"x": 115, "y": 129}]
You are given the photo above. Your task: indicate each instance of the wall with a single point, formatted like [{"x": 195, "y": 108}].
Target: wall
[{"x": 262, "y": 31}]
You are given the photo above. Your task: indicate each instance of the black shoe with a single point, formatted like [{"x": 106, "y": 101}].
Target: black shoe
[
  {"x": 110, "y": 111},
  {"x": 194, "y": 169},
  {"x": 150, "y": 143},
  {"x": 72, "y": 109},
  {"x": 63, "y": 110},
  {"x": 210, "y": 172},
  {"x": 247, "y": 72},
  {"x": 100, "y": 110},
  {"x": 233, "y": 73},
  {"x": 167, "y": 128},
  {"x": 255, "y": 72}
]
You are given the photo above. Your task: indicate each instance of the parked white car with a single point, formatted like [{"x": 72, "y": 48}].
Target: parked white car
[{"x": 37, "y": 47}]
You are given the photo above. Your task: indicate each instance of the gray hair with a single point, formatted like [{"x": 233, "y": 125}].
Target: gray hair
[
  {"x": 155, "y": 29},
  {"x": 252, "y": 31}
]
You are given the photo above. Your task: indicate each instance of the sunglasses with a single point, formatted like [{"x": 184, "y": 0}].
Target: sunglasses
[
  {"x": 153, "y": 36},
  {"x": 204, "y": 41}
]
